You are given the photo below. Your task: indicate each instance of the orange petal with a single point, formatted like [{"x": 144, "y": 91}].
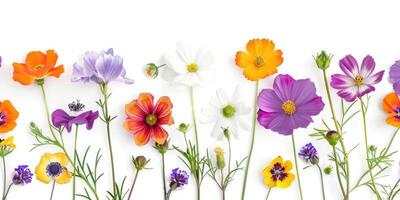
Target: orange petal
[
  {"x": 35, "y": 58},
  {"x": 159, "y": 134},
  {"x": 133, "y": 110},
  {"x": 390, "y": 102},
  {"x": 168, "y": 119},
  {"x": 244, "y": 60},
  {"x": 56, "y": 72},
  {"x": 7, "y": 126},
  {"x": 252, "y": 73},
  {"x": 51, "y": 58},
  {"x": 142, "y": 137},
  {"x": 392, "y": 120},
  {"x": 134, "y": 126},
  {"x": 163, "y": 107},
  {"x": 273, "y": 59},
  {"x": 8, "y": 110},
  {"x": 145, "y": 102},
  {"x": 260, "y": 47},
  {"x": 21, "y": 76}
]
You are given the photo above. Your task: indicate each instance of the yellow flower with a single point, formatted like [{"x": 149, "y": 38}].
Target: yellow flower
[
  {"x": 260, "y": 60},
  {"x": 53, "y": 167},
  {"x": 8, "y": 143},
  {"x": 277, "y": 174},
  {"x": 219, "y": 152}
]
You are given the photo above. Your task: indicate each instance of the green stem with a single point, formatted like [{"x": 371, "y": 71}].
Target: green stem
[
  {"x": 46, "y": 105},
  {"x": 222, "y": 184},
  {"x": 75, "y": 156},
  {"x": 246, "y": 171},
  {"x": 378, "y": 196},
  {"x": 269, "y": 191},
  {"x": 229, "y": 155},
  {"x": 163, "y": 176},
  {"x": 8, "y": 190},
  {"x": 297, "y": 167},
  {"x": 52, "y": 189},
  {"x": 197, "y": 175},
  {"x": 107, "y": 118},
  {"x": 337, "y": 170},
  {"x": 4, "y": 177},
  {"x": 133, "y": 184},
  {"x": 322, "y": 181}
]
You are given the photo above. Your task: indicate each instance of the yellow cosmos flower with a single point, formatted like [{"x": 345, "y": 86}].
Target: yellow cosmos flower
[
  {"x": 8, "y": 143},
  {"x": 260, "y": 60},
  {"x": 277, "y": 174},
  {"x": 53, "y": 167}
]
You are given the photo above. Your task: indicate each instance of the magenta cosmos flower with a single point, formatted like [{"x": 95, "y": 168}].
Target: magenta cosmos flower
[
  {"x": 356, "y": 81},
  {"x": 289, "y": 105}
]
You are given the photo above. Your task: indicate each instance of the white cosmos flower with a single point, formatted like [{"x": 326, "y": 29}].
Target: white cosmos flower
[
  {"x": 226, "y": 112},
  {"x": 188, "y": 68}
]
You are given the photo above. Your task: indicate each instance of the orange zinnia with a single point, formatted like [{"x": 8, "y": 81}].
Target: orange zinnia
[
  {"x": 391, "y": 104},
  {"x": 260, "y": 60},
  {"x": 8, "y": 115},
  {"x": 144, "y": 119},
  {"x": 37, "y": 66}
]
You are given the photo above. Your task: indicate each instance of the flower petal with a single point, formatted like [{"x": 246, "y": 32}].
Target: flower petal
[
  {"x": 374, "y": 79},
  {"x": 145, "y": 102},
  {"x": 163, "y": 107},
  {"x": 349, "y": 94},
  {"x": 367, "y": 66},
  {"x": 283, "y": 86},
  {"x": 391, "y": 102},
  {"x": 394, "y": 73},
  {"x": 340, "y": 81},
  {"x": 269, "y": 101},
  {"x": 313, "y": 107},
  {"x": 143, "y": 136},
  {"x": 349, "y": 66},
  {"x": 159, "y": 134}
]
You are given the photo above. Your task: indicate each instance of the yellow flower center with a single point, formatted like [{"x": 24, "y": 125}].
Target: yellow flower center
[
  {"x": 38, "y": 67},
  {"x": 259, "y": 61},
  {"x": 289, "y": 107},
  {"x": 228, "y": 111},
  {"x": 192, "y": 68},
  {"x": 151, "y": 119},
  {"x": 358, "y": 80}
]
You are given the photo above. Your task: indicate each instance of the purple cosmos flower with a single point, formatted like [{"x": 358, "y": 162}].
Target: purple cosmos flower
[
  {"x": 394, "y": 76},
  {"x": 100, "y": 67},
  {"x": 289, "y": 105},
  {"x": 356, "y": 81},
  {"x": 23, "y": 175},
  {"x": 60, "y": 118},
  {"x": 179, "y": 178},
  {"x": 309, "y": 154}
]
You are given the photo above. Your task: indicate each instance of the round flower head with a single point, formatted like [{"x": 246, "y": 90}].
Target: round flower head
[
  {"x": 178, "y": 178},
  {"x": 190, "y": 69},
  {"x": 260, "y": 60},
  {"x": 309, "y": 154},
  {"x": 277, "y": 173},
  {"x": 8, "y": 115},
  {"x": 356, "y": 81},
  {"x": 391, "y": 104},
  {"x": 53, "y": 167},
  {"x": 100, "y": 67},
  {"x": 37, "y": 66},
  {"x": 145, "y": 120},
  {"x": 22, "y": 175},
  {"x": 226, "y": 113},
  {"x": 289, "y": 105}
]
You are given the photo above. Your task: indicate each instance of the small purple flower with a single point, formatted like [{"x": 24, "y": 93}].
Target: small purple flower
[
  {"x": 394, "y": 76},
  {"x": 309, "y": 154},
  {"x": 289, "y": 105},
  {"x": 100, "y": 67},
  {"x": 356, "y": 81},
  {"x": 60, "y": 118},
  {"x": 23, "y": 175},
  {"x": 178, "y": 179}
]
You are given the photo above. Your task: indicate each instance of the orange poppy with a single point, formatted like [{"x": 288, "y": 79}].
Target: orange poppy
[
  {"x": 8, "y": 115},
  {"x": 391, "y": 104},
  {"x": 145, "y": 120},
  {"x": 37, "y": 66},
  {"x": 260, "y": 60}
]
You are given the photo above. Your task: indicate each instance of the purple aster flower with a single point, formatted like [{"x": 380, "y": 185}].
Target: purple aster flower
[
  {"x": 356, "y": 81},
  {"x": 289, "y": 105},
  {"x": 100, "y": 67},
  {"x": 60, "y": 118},
  {"x": 309, "y": 154},
  {"x": 178, "y": 179},
  {"x": 23, "y": 175},
  {"x": 394, "y": 76}
]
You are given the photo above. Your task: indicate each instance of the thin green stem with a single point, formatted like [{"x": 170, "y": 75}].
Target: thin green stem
[
  {"x": 222, "y": 184},
  {"x": 297, "y": 167},
  {"x": 269, "y": 191},
  {"x": 163, "y": 176},
  {"x": 378, "y": 196},
  {"x": 75, "y": 157},
  {"x": 337, "y": 170},
  {"x": 4, "y": 177},
  {"x": 229, "y": 155},
  {"x": 246, "y": 171},
  {"x": 322, "y": 181},
  {"x": 46, "y": 105},
  {"x": 133, "y": 184},
  {"x": 8, "y": 190},
  {"x": 52, "y": 189},
  {"x": 197, "y": 175}
]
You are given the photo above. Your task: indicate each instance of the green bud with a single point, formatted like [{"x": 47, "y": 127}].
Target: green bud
[
  {"x": 314, "y": 160},
  {"x": 219, "y": 152},
  {"x": 323, "y": 60},
  {"x": 372, "y": 148},
  {"x": 183, "y": 127},
  {"x": 332, "y": 137},
  {"x": 140, "y": 162},
  {"x": 227, "y": 133},
  {"x": 328, "y": 170},
  {"x": 162, "y": 148}
]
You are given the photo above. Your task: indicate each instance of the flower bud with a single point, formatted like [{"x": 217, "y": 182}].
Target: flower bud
[
  {"x": 328, "y": 170},
  {"x": 219, "y": 152},
  {"x": 183, "y": 127},
  {"x": 162, "y": 148},
  {"x": 152, "y": 70},
  {"x": 332, "y": 137},
  {"x": 314, "y": 160},
  {"x": 323, "y": 60},
  {"x": 140, "y": 162},
  {"x": 227, "y": 133},
  {"x": 372, "y": 148}
]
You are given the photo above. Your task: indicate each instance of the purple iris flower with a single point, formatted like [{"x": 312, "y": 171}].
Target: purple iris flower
[
  {"x": 394, "y": 76},
  {"x": 100, "y": 67},
  {"x": 179, "y": 178},
  {"x": 289, "y": 105},
  {"x": 356, "y": 81},
  {"x": 309, "y": 154},
  {"x": 23, "y": 175}
]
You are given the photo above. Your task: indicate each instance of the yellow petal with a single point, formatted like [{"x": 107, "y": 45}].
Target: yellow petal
[
  {"x": 285, "y": 183},
  {"x": 64, "y": 177}
]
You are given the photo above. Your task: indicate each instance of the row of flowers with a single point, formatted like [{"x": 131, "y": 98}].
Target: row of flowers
[{"x": 290, "y": 104}]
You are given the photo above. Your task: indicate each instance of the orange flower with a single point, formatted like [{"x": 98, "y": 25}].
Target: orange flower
[
  {"x": 144, "y": 119},
  {"x": 391, "y": 104},
  {"x": 8, "y": 115},
  {"x": 37, "y": 66},
  {"x": 260, "y": 60}
]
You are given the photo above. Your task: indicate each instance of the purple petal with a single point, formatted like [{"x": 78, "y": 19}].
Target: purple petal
[
  {"x": 109, "y": 67},
  {"x": 349, "y": 66},
  {"x": 110, "y": 51},
  {"x": 283, "y": 86},
  {"x": 299, "y": 120},
  {"x": 365, "y": 89},
  {"x": 303, "y": 91},
  {"x": 349, "y": 94},
  {"x": 396, "y": 87},
  {"x": 277, "y": 122},
  {"x": 313, "y": 107},
  {"x": 91, "y": 118},
  {"x": 340, "y": 81},
  {"x": 268, "y": 101},
  {"x": 1, "y": 60},
  {"x": 122, "y": 77},
  {"x": 60, "y": 118},
  {"x": 374, "y": 79},
  {"x": 394, "y": 73},
  {"x": 367, "y": 66}
]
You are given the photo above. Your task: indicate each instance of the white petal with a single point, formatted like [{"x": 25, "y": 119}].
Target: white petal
[
  {"x": 169, "y": 74},
  {"x": 222, "y": 97},
  {"x": 204, "y": 60},
  {"x": 188, "y": 79},
  {"x": 235, "y": 98},
  {"x": 205, "y": 76},
  {"x": 233, "y": 128},
  {"x": 217, "y": 131},
  {"x": 184, "y": 53},
  {"x": 209, "y": 115},
  {"x": 243, "y": 124},
  {"x": 242, "y": 109}
]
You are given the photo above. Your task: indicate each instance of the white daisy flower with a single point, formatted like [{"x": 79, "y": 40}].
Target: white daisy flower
[
  {"x": 188, "y": 68},
  {"x": 226, "y": 113}
]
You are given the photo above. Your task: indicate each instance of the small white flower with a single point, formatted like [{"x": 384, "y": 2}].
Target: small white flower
[
  {"x": 226, "y": 113},
  {"x": 188, "y": 68}
]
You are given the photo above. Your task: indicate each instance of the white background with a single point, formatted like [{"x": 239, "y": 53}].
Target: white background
[{"x": 142, "y": 31}]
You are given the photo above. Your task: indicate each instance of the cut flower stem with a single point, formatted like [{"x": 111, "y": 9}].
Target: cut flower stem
[{"x": 297, "y": 168}]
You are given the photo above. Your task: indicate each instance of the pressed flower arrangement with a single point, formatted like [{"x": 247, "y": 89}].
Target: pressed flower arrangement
[{"x": 287, "y": 105}]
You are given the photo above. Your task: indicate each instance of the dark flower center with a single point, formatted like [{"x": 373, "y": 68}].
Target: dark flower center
[
  {"x": 76, "y": 106},
  {"x": 289, "y": 107},
  {"x": 397, "y": 111},
  {"x": 37, "y": 67},
  {"x": 54, "y": 169},
  {"x": 151, "y": 119},
  {"x": 259, "y": 61},
  {"x": 278, "y": 172},
  {"x": 358, "y": 80},
  {"x": 2, "y": 118},
  {"x": 228, "y": 111}
]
